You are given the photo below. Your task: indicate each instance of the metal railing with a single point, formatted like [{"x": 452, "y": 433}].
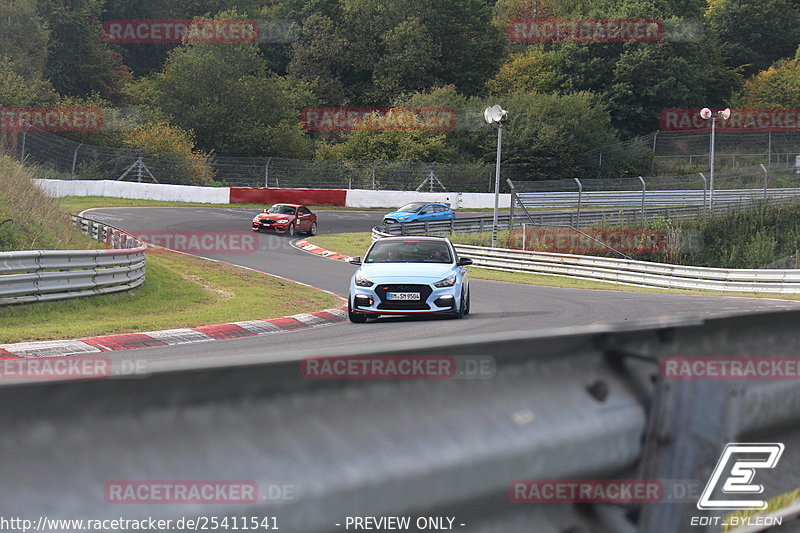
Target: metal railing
[
  {"x": 574, "y": 403},
  {"x": 45, "y": 275},
  {"x": 628, "y": 271}
]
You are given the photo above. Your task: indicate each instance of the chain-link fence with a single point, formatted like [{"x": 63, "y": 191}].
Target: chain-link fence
[
  {"x": 65, "y": 159},
  {"x": 666, "y": 152}
]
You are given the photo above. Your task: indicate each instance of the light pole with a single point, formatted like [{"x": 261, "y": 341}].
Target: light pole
[
  {"x": 706, "y": 113},
  {"x": 496, "y": 115}
]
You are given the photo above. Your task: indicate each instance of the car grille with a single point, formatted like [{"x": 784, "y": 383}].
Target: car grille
[
  {"x": 419, "y": 305},
  {"x": 267, "y": 221}
]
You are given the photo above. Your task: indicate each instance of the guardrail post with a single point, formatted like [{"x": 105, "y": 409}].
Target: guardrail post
[
  {"x": 766, "y": 178},
  {"x": 705, "y": 186},
  {"x": 481, "y": 229},
  {"x": 452, "y": 226},
  {"x": 578, "y": 211},
  {"x": 690, "y": 424},
  {"x": 427, "y": 227},
  {"x": 644, "y": 191}
]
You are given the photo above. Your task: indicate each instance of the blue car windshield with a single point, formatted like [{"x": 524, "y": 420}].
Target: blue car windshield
[
  {"x": 412, "y": 207},
  {"x": 409, "y": 251}
]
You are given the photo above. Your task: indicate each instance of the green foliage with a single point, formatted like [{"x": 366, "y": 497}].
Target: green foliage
[
  {"x": 778, "y": 86},
  {"x": 368, "y": 52},
  {"x": 23, "y": 38},
  {"x": 79, "y": 60},
  {"x": 755, "y": 33},
  {"x": 227, "y": 97},
  {"x": 545, "y": 132}
]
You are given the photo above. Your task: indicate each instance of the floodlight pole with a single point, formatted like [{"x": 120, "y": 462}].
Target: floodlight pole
[
  {"x": 497, "y": 184},
  {"x": 711, "y": 179}
]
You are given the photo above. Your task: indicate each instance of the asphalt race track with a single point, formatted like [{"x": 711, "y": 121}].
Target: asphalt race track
[{"x": 496, "y": 306}]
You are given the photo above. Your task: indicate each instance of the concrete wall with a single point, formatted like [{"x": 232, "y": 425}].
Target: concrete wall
[
  {"x": 375, "y": 198},
  {"x": 141, "y": 191},
  {"x": 222, "y": 195}
]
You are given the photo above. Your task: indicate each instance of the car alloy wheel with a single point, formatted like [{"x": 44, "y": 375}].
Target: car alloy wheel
[
  {"x": 290, "y": 231},
  {"x": 313, "y": 229}
]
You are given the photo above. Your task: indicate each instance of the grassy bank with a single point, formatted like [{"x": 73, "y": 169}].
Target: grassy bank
[
  {"x": 28, "y": 219},
  {"x": 180, "y": 291}
]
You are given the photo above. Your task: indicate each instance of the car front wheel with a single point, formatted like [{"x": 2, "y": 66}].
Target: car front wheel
[
  {"x": 290, "y": 230},
  {"x": 355, "y": 318},
  {"x": 312, "y": 230}
]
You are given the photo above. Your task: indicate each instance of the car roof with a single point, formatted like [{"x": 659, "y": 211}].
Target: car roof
[
  {"x": 414, "y": 238},
  {"x": 288, "y": 205}
]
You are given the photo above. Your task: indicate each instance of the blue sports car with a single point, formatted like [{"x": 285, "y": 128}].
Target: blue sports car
[
  {"x": 420, "y": 212},
  {"x": 409, "y": 275}
]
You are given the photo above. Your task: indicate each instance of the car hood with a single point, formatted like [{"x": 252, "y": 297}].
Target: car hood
[
  {"x": 274, "y": 216},
  {"x": 392, "y": 271},
  {"x": 397, "y": 214}
]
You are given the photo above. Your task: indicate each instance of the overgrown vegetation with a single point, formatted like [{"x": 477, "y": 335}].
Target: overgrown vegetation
[
  {"x": 244, "y": 99},
  {"x": 29, "y": 220}
]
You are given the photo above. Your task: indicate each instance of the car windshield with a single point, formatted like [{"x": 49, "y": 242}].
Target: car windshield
[
  {"x": 281, "y": 209},
  {"x": 409, "y": 251},
  {"x": 412, "y": 207}
]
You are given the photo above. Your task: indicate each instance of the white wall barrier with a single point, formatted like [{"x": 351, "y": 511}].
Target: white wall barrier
[
  {"x": 466, "y": 200},
  {"x": 140, "y": 191},
  {"x": 221, "y": 195}
]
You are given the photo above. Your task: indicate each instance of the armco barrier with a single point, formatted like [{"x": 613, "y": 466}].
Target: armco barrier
[
  {"x": 44, "y": 275},
  {"x": 630, "y": 272},
  {"x": 573, "y": 403}
]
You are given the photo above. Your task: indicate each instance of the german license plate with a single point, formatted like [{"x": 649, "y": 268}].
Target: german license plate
[{"x": 402, "y": 295}]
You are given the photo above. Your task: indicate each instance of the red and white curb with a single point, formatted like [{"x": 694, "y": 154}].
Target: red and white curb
[
  {"x": 173, "y": 337},
  {"x": 306, "y": 246}
]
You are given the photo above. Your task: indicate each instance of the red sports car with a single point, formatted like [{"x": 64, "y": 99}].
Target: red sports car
[{"x": 286, "y": 218}]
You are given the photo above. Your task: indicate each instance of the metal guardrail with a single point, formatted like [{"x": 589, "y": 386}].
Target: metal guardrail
[
  {"x": 534, "y": 200},
  {"x": 574, "y": 403},
  {"x": 630, "y": 272},
  {"x": 45, "y": 275}
]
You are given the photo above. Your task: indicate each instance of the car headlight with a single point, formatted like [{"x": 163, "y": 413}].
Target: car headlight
[
  {"x": 282, "y": 221},
  {"x": 446, "y": 282},
  {"x": 361, "y": 281}
]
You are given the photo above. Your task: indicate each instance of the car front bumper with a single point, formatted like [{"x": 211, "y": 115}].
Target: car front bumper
[
  {"x": 273, "y": 228},
  {"x": 374, "y": 300}
]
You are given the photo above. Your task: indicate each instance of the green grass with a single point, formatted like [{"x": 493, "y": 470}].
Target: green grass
[
  {"x": 357, "y": 243},
  {"x": 76, "y": 204},
  {"x": 179, "y": 291},
  {"x": 28, "y": 219}
]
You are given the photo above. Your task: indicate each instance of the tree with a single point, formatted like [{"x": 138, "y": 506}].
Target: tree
[
  {"x": 367, "y": 52},
  {"x": 755, "y": 33},
  {"x": 535, "y": 69},
  {"x": 23, "y": 38},
  {"x": 79, "y": 60},
  {"x": 227, "y": 97},
  {"x": 545, "y": 133},
  {"x": 778, "y": 86}
]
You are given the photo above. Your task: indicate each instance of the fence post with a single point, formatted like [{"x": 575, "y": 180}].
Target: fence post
[
  {"x": 653, "y": 159},
  {"x": 374, "y": 164},
  {"x": 644, "y": 190},
  {"x": 523, "y": 236},
  {"x": 205, "y": 169},
  {"x": 22, "y": 148},
  {"x": 766, "y": 178},
  {"x": 75, "y": 158},
  {"x": 580, "y": 194},
  {"x": 705, "y": 184},
  {"x": 266, "y": 173}
]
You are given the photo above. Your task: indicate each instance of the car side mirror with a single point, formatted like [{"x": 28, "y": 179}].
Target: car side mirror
[
  {"x": 464, "y": 261},
  {"x": 266, "y": 211},
  {"x": 355, "y": 260}
]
